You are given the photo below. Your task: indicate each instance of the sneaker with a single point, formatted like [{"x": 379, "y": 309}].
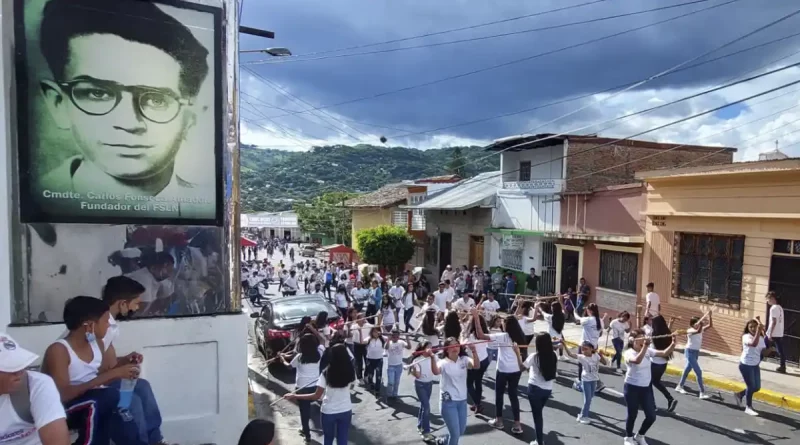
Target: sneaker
[
  {"x": 781, "y": 370},
  {"x": 428, "y": 438},
  {"x": 629, "y": 441},
  {"x": 640, "y": 440},
  {"x": 533, "y": 442},
  {"x": 679, "y": 389},
  {"x": 600, "y": 388},
  {"x": 494, "y": 423},
  {"x": 750, "y": 412},
  {"x": 738, "y": 396},
  {"x": 584, "y": 420},
  {"x": 516, "y": 429},
  {"x": 703, "y": 396},
  {"x": 672, "y": 405}
]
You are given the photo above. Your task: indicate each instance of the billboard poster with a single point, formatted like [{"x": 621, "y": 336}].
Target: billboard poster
[
  {"x": 180, "y": 267},
  {"x": 119, "y": 111}
]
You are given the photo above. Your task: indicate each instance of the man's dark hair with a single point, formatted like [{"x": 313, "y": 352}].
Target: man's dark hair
[
  {"x": 121, "y": 288},
  {"x": 133, "y": 20},
  {"x": 158, "y": 259},
  {"x": 81, "y": 309}
]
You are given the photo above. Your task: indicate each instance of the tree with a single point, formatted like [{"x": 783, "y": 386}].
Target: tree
[
  {"x": 327, "y": 216},
  {"x": 457, "y": 163},
  {"x": 387, "y": 246}
]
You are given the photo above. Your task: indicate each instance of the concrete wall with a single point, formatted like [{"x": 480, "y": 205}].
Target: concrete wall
[
  {"x": 516, "y": 210},
  {"x": 617, "y": 210},
  {"x": 368, "y": 218},
  {"x": 462, "y": 225},
  {"x": 735, "y": 205},
  {"x": 546, "y": 163}
]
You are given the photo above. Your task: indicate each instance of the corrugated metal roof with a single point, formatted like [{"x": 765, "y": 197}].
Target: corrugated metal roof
[{"x": 472, "y": 192}]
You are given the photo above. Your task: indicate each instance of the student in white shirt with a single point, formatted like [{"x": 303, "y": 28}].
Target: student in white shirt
[
  {"x": 555, "y": 322},
  {"x": 359, "y": 295},
  {"x": 290, "y": 286},
  {"x": 428, "y": 326},
  {"x": 749, "y": 363},
  {"x": 30, "y": 405},
  {"x": 590, "y": 359},
  {"x": 618, "y": 328},
  {"x": 306, "y": 365},
  {"x": 342, "y": 301},
  {"x": 542, "y": 368},
  {"x": 637, "y": 390},
  {"x": 394, "y": 362},
  {"x": 774, "y": 331},
  {"x": 333, "y": 387},
  {"x": 396, "y": 292},
  {"x": 592, "y": 326},
  {"x": 653, "y": 301},
  {"x": 408, "y": 306},
  {"x": 508, "y": 368},
  {"x": 359, "y": 331},
  {"x": 375, "y": 344},
  {"x": 441, "y": 298},
  {"x": 659, "y": 363},
  {"x": 423, "y": 386},
  {"x": 694, "y": 341},
  {"x": 386, "y": 319},
  {"x": 453, "y": 365},
  {"x": 465, "y": 303},
  {"x": 526, "y": 314},
  {"x": 475, "y": 375},
  {"x": 490, "y": 306}
]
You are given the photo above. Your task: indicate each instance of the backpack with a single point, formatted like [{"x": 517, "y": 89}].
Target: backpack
[{"x": 21, "y": 401}]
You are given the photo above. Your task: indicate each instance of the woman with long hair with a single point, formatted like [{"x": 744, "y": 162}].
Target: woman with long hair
[
  {"x": 258, "y": 432},
  {"x": 694, "y": 340},
  {"x": 542, "y": 366},
  {"x": 375, "y": 344},
  {"x": 423, "y": 386},
  {"x": 321, "y": 325},
  {"x": 659, "y": 363},
  {"x": 453, "y": 365},
  {"x": 342, "y": 300},
  {"x": 509, "y": 370},
  {"x": 749, "y": 363},
  {"x": 592, "y": 328},
  {"x": 306, "y": 365},
  {"x": 475, "y": 375},
  {"x": 333, "y": 387},
  {"x": 388, "y": 312},
  {"x": 408, "y": 303},
  {"x": 638, "y": 390},
  {"x": 526, "y": 314},
  {"x": 618, "y": 328},
  {"x": 555, "y": 323},
  {"x": 428, "y": 327},
  {"x": 452, "y": 325}
]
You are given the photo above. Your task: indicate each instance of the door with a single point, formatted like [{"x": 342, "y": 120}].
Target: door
[
  {"x": 547, "y": 285},
  {"x": 445, "y": 251},
  {"x": 785, "y": 281},
  {"x": 287, "y": 234},
  {"x": 271, "y": 233},
  {"x": 475, "y": 251},
  {"x": 569, "y": 269}
]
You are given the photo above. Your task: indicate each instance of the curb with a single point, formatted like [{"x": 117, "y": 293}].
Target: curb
[
  {"x": 773, "y": 398},
  {"x": 251, "y": 406}
]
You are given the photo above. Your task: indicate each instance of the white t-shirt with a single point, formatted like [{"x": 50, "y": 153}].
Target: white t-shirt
[
  {"x": 465, "y": 306},
  {"x": 648, "y": 330},
  {"x": 480, "y": 347},
  {"x": 527, "y": 326},
  {"x": 535, "y": 377},
  {"x": 341, "y": 300},
  {"x": 655, "y": 359},
  {"x": 375, "y": 349},
  {"x": 359, "y": 295},
  {"x": 396, "y": 293},
  {"x": 751, "y": 355},
  {"x": 591, "y": 367},
  {"x": 424, "y": 368},
  {"x": 388, "y": 316},
  {"x": 453, "y": 384},
  {"x": 335, "y": 400},
  {"x": 618, "y": 328},
  {"x": 394, "y": 352},
  {"x": 45, "y": 408},
  {"x": 490, "y": 307},
  {"x": 290, "y": 284},
  {"x": 440, "y": 300},
  {"x": 694, "y": 339},
  {"x": 408, "y": 300},
  {"x": 590, "y": 331},
  {"x": 550, "y": 329},
  {"x": 306, "y": 373},
  {"x": 360, "y": 334},
  {"x": 638, "y": 374},
  {"x": 655, "y": 303},
  {"x": 506, "y": 358},
  {"x": 776, "y": 312}
]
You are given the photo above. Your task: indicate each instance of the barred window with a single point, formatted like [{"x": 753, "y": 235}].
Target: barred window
[
  {"x": 710, "y": 267},
  {"x": 618, "y": 270},
  {"x": 400, "y": 218},
  {"x": 511, "y": 259}
]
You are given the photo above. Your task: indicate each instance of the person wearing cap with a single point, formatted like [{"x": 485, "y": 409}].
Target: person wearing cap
[
  {"x": 30, "y": 405},
  {"x": 442, "y": 298},
  {"x": 448, "y": 274}
]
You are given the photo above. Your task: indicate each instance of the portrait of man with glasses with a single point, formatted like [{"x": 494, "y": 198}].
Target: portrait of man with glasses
[{"x": 124, "y": 80}]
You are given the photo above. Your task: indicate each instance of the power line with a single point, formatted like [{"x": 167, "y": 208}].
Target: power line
[
  {"x": 292, "y": 59},
  {"x": 512, "y": 62},
  {"x": 269, "y": 118}
]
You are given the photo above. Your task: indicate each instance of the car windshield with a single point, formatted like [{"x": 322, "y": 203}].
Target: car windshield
[{"x": 288, "y": 310}]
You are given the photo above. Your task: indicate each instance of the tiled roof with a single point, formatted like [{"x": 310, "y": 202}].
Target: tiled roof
[
  {"x": 385, "y": 196},
  {"x": 469, "y": 193}
]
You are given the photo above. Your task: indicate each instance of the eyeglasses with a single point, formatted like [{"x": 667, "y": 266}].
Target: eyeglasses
[{"x": 100, "y": 97}]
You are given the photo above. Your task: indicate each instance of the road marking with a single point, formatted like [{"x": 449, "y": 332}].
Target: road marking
[{"x": 613, "y": 391}]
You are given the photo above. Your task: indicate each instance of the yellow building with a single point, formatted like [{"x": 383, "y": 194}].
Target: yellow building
[
  {"x": 720, "y": 237},
  {"x": 378, "y": 208}
]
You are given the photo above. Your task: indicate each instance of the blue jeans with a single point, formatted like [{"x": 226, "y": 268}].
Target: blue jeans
[
  {"x": 639, "y": 397},
  {"x": 752, "y": 380},
  {"x": 538, "y": 398},
  {"x": 393, "y": 374},
  {"x": 144, "y": 409},
  {"x": 336, "y": 425},
  {"x": 96, "y": 418},
  {"x": 619, "y": 345},
  {"x": 778, "y": 342},
  {"x": 692, "y": 365},
  {"x": 374, "y": 373},
  {"x": 588, "y": 393},
  {"x": 454, "y": 414},
  {"x": 424, "y": 390},
  {"x": 305, "y": 410}
]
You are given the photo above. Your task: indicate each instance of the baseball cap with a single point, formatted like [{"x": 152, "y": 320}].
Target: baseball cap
[{"x": 13, "y": 358}]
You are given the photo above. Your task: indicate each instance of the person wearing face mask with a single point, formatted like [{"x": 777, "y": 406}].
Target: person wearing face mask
[
  {"x": 123, "y": 296},
  {"x": 159, "y": 267},
  {"x": 82, "y": 374}
]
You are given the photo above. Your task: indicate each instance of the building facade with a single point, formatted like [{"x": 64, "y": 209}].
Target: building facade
[
  {"x": 719, "y": 238},
  {"x": 283, "y": 225}
]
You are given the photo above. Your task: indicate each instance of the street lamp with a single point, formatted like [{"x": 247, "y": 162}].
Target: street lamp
[{"x": 275, "y": 52}]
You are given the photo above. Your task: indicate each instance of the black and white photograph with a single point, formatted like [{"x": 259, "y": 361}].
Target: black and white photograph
[{"x": 119, "y": 111}]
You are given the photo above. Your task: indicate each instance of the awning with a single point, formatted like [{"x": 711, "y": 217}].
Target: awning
[
  {"x": 518, "y": 232},
  {"x": 473, "y": 192}
]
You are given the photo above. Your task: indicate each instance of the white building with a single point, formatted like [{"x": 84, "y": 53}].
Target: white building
[{"x": 274, "y": 225}]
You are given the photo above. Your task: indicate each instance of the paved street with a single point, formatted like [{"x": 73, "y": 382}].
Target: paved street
[{"x": 715, "y": 421}]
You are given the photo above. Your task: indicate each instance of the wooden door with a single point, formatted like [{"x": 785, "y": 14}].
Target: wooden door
[{"x": 475, "y": 251}]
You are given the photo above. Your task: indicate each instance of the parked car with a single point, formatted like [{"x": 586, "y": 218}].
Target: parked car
[
  {"x": 309, "y": 251},
  {"x": 279, "y": 319}
]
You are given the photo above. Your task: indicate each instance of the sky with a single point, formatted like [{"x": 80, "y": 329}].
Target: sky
[{"x": 471, "y": 92}]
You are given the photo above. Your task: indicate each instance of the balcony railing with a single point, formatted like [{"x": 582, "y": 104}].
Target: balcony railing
[{"x": 554, "y": 185}]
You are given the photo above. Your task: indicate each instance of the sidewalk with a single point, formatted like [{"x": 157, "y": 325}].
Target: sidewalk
[{"x": 720, "y": 371}]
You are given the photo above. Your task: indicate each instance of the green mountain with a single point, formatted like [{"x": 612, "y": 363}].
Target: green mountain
[{"x": 271, "y": 180}]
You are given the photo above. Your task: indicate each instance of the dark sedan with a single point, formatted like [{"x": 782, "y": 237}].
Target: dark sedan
[{"x": 279, "y": 319}]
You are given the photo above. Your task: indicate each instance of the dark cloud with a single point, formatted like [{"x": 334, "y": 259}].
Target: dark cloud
[{"x": 308, "y": 26}]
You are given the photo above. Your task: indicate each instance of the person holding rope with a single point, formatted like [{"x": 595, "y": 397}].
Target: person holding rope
[
  {"x": 694, "y": 340},
  {"x": 306, "y": 365},
  {"x": 475, "y": 375},
  {"x": 661, "y": 340},
  {"x": 618, "y": 328},
  {"x": 542, "y": 367},
  {"x": 592, "y": 326},
  {"x": 423, "y": 386},
  {"x": 749, "y": 363}
]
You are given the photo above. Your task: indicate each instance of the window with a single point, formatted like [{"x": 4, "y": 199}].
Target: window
[
  {"x": 525, "y": 171},
  {"x": 418, "y": 220},
  {"x": 400, "y": 218},
  {"x": 618, "y": 270},
  {"x": 786, "y": 247},
  {"x": 511, "y": 259},
  {"x": 709, "y": 267}
]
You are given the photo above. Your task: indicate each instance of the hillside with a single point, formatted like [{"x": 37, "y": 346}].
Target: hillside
[{"x": 272, "y": 179}]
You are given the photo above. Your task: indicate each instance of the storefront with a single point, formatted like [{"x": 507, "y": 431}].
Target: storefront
[{"x": 720, "y": 238}]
